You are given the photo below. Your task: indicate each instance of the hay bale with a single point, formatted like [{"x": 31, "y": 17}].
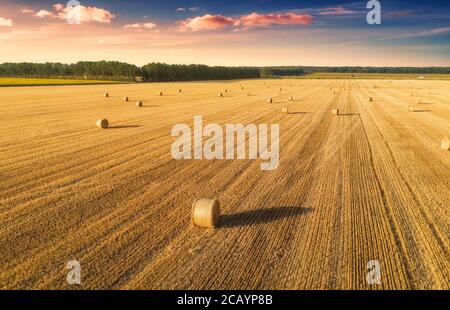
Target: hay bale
[
  {"x": 370, "y": 99},
  {"x": 445, "y": 144},
  {"x": 334, "y": 92},
  {"x": 242, "y": 87},
  {"x": 179, "y": 90},
  {"x": 226, "y": 90},
  {"x": 206, "y": 213},
  {"x": 281, "y": 89},
  {"x": 220, "y": 95},
  {"x": 335, "y": 112},
  {"x": 102, "y": 123},
  {"x": 291, "y": 98},
  {"x": 270, "y": 100},
  {"x": 161, "y": 93},
  {"x": 125, "y": 99},
  {"x": 139, "y": 104},
  {"x": 411, "y": 108},
  {"x": 285, "y": 111},
  {"x": 106, "y": 95}
]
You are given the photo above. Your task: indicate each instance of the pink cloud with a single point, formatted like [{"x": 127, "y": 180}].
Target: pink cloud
[
  {"x": 336, "y": 11},
  {"x": 5, "y": 22},
  {"x": 264, "y": 20},
  {"x": 147, "y": 25},
  {"x": 214, "y": 22},
  {"x": 88, "y": 14},
  {"x": 45, "y": 14},
  {"x": 28, "y": 11},
  {"x": 207, "y": 22}
]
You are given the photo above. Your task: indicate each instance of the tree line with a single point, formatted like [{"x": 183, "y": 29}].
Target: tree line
[
  {"x": 159, "y": 72},
  {"x": 113, "y": 70},
  {"x": 302, "y": 70}
]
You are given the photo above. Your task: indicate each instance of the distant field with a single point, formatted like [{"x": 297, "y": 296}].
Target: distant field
[
  {"x": 389, "y": 76},
  {"x": 48, "y": 82}
]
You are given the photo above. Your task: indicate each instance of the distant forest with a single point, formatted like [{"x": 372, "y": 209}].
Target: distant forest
[{"x": 158, "y": 72}]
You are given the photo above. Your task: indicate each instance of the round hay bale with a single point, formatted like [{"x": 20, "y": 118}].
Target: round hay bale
[
  {"x": 242, "y": 87},
  {"x": 334, "y": 92},
  {"x": 106, "y": 95},
  {"x": 335, "y": 112},
  {"x": 226, "y": 90},
  {"x": 206, "y": 213},
  {"x": 139, "y": 104},
  {"x": 411, "y": 108},
  {"x": 125, "y": 99},
  {"x": 220, "y": 95},
  {"x": 270, "y": 100},
  {"x": 285, "y": 111},
  {"x": 161, "y": 93},
  {"x": 102, "y": 123},
  {"x": 445, "y": 144},
  {"x": 291, "y": 98},
  {"x": 370, "y": 99},
  {"x": 179, "y": 90},
  {"x": 281, "y": 89}
]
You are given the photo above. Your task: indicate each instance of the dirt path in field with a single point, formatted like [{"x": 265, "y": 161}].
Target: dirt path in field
[{"x": 369, "y": 184}]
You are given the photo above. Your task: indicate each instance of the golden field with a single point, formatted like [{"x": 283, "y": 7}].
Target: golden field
[{"x": 369, "y": 184}]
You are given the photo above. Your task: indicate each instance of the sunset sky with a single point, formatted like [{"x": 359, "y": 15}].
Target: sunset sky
[{"x": 261, "y": 33}]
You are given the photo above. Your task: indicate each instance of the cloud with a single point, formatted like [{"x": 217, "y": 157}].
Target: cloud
[
  {"x": 28, "y": 11},
  {"x": 207, "y": 22},
  {"x": 336, "y": 11},
  {"x": 87, "y": 14},
  {"x": 140, "y": 26},
  {"x": 264, "y": 20},
  {"x": 5, "y": 22},
  {"x": 428, "y": 33},
  {"x": 215, "y": 22},
  {"x": 193, "y": 9},
  {"x": 45, "y": 14}
]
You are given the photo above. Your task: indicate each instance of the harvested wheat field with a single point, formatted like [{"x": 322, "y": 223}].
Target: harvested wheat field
[{"x": 371, "y": 183}]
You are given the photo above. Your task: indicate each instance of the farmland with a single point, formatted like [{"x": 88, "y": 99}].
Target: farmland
[{"x": 371, "y": 183}]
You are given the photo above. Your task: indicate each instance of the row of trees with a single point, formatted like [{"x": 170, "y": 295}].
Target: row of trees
[
  {"x": 113, "y": 70},
  {"x": 291, "y": 71},
  {"x": 109, "y": 70},
  {"x": 159, "y": 72}
]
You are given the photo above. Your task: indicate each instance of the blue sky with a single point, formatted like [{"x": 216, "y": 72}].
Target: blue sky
[{"x": 265, "y": 32}]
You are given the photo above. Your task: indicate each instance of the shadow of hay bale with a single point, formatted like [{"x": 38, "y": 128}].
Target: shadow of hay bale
[{"x": 262, "y": 216}]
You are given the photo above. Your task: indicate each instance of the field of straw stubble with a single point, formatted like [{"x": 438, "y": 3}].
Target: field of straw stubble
[{"x": 371, "y": 183}]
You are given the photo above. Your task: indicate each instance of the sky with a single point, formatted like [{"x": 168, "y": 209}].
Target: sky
[{"x": 231, "y": 33}]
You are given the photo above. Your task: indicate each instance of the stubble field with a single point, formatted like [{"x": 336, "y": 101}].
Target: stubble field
[{"x": 369, "y": 184}]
